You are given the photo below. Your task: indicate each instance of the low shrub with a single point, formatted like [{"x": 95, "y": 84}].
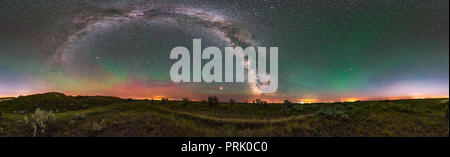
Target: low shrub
[
  {"x": 98, "y": 126},
  {"x": 40, "y": 122},
  {"x": 333, "y": 113},
  {"x": 80, "y": 116}
]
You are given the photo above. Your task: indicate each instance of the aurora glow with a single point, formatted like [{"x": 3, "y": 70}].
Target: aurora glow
[{"x": 328, "y": 50}]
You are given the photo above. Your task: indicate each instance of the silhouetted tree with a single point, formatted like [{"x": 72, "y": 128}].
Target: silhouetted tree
[
  {"x": 232, "y": 102},
  {"x": 288, "y": 103},
  {"x": 259, "y": 102},
  {"x": 213, "y": 100},
  {"x": 186, "y": 101},
  {"x": 165, "y": 100}
]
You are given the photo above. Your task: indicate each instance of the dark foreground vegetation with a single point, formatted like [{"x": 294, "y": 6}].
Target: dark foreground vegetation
[{"x": 55, "y": 114}]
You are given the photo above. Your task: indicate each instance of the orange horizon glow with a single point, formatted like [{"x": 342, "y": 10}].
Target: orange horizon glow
[{"x": 308, "y": 101}]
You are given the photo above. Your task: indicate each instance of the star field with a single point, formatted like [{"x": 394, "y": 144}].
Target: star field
[{"x": 328, "y": 50}]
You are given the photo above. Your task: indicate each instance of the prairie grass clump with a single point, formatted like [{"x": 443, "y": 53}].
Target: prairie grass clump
[
  {"x": 297, "y": 108},
  {"x": 445, "y": 111},
  {"x": 40, "y": 122},
  {"x": 292, "y": 109}
]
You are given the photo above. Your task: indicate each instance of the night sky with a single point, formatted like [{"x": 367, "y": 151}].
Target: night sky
[{"x": 328, "y": 50}]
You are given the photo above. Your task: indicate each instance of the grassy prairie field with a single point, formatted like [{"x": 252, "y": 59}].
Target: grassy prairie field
[{"x": 109, "y": 116}]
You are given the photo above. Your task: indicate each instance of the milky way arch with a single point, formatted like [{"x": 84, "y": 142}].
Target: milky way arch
[{"x": 225, "y": 29}]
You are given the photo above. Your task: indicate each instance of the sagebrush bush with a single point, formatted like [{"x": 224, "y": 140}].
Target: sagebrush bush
[
  {"x": 98, "y": 126},
  {"x": 80, "y": 116},
  {"x": 333, "y": 113},
  {"x": 40, "y": 122}
]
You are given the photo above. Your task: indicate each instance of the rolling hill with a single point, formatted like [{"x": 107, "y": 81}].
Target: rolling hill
[{"x": 53, "y": 101}]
